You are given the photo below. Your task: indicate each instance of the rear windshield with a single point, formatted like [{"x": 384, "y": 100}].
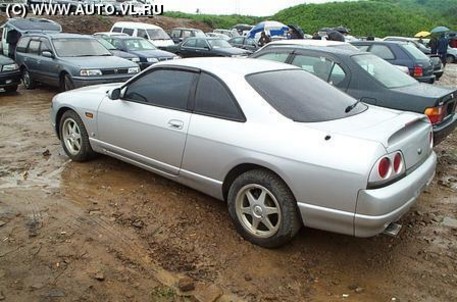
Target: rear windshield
[
  {"x": 157, "y": 34},
  {"x": 415, "y": 52},
  {"x": 303, "y": 97},
  {"x": 386, "y": 73}
]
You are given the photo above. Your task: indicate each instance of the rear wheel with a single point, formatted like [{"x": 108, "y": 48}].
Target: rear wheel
[
  {"x": 74, "y": 137},
  {"x": 27, "y": 80},
  {"x": 263, "y": 209},
  {"x": 450, "y": 59}
]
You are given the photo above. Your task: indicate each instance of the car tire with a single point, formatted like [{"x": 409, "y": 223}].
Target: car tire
[
  {"x": 74, "y": 137},
  {"x": 269, "y": 217},
  {"x": 450, "y": 59},
  {"x": 27, "y": 80},
  {"x": 11, "y": 88},
  {"x": 66, "y": 83}
]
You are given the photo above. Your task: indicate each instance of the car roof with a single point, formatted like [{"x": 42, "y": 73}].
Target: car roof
[
  {"x": 234, "y": 66},
  {"x": 33, "y": 25},
  {"x": 60, "y": 35},
  {"x": 127, "y": 37},
  {"x": 186, "y": 28},
  {"x": 310, "y": 42},
  {"x": 331, "y": 50},
  {"x": 382, "y": 42},
  {"x": 135, "y": 25}
]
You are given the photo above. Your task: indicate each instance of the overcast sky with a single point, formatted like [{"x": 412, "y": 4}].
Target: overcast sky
[{"x": 227, "y": 7}]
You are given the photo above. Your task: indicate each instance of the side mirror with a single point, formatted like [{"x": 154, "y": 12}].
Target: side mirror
[
  {"x": 47, "y": 54},
  {"x": 114, "y": 94}
]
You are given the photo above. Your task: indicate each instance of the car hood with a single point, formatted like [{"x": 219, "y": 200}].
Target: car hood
[
  {"x": 99, "y": 62},
  {"x": 152, "y": 53},
  {"x": 425, "y": 90},
  {"x": 5, "y": 60}
]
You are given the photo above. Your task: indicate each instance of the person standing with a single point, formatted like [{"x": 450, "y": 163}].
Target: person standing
[
  {"x": 433, "y": 44},
  {"x": 443, "y": 44},
  {"x": 264, "y": 39}
]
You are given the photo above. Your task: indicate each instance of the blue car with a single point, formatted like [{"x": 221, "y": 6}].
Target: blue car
[
  {"x": 69, "y": 61},
  {"x": 142, "y": 48}
]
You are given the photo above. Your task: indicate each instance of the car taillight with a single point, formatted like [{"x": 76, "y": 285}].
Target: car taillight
[
  {"x": 384, "y": 167},
  {"x": 418, "y": 71},
  {"x": 387, "y": 168},
  {"x": 435, "y": 114}
]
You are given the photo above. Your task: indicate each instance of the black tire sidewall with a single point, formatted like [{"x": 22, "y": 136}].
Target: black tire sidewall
[{"x": 290, "y": 220}]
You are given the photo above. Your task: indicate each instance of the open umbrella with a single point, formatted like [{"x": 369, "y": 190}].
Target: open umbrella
[
  {"x": 273, "y": 28},
  {"x": 342, "y": 29},
  {"x": 439, "y": 29},
  {"x": 297, "y": 30},
  {"x": 422, "y": 34}
]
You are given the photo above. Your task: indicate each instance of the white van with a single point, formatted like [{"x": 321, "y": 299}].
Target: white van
[{"x": 153, "y": 33}]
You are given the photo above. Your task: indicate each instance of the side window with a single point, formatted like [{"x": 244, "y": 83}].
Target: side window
[
  {"x": 116, "y": 43},
  {"x": 238, "y": 40},
  {"x": 338, "y": 75},
  {"x": 305, "y": 62},
  {"x": 186, "y": 34},
  {"x": 22, "y": 44},
  {"x": 142, "y": 33},
  {"x": 164, "y": 88},
  {"x": 362, "y": 47},
  {"x": 34, "y": 46},
  {"x": 273, "y": 56},
  {"x": 201, "y": 43},
  {"x": 214, "y": 99},
  {"x": 190, "y": 43},
  {"x": 382, "y": 51},
  {"x": 319, "y": 66},
  {"x": 128, "y": 31},
  {"x": 117, "y": 30},
  {"x": 175, "y": 33},
  {"x": 45, "y": 46}
]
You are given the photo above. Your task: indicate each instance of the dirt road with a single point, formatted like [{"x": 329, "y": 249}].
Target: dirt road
[{"x": 108, "y": 231}]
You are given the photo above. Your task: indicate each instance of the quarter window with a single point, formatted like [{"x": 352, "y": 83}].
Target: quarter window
[
  {"x": 128, "y": 31},
  {"x": 214, "y": 99},
  {"x": 382, "y": 51},
  {"x": 164, "y": 88}
]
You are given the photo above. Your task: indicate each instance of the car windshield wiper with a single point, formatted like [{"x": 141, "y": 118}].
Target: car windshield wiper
[{"x": 351, "y": 107}]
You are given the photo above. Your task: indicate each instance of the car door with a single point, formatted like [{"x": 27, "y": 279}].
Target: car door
[
  {"x": 187, "y": 48},
  {"x": 148, "y": 124},
  {"x": 49, "y": 67},
  {"x": 31, "y": 59},
  {"x": 203, "y": 49}
]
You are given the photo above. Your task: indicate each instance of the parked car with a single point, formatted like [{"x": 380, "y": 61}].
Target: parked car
[
  {"x": 404, "y": 54},
  {"x": 69, "y": 61},
  {"x": 148, "y": 53},
  {"x": 244, "y": 43},
  {"x": 208, "y": 47},
  {"x": 372, "y": 80},
  {"x": 180, "y": 34},
  {"x": 118, "y": 53},
  {"x": 221, "y": 126},
  {"x": 10, "y": 75},
  {"x": 150, "y": 32},
  {"x": 438, "y": 68},
  {"x": 310, "y": 42}
]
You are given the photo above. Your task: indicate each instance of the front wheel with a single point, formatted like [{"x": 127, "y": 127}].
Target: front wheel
[
  {"x": 66, "y": 83},
  {"x": 27, "y": 80},
  {"x": 74, "y": 137},
  {"x": 263, "y": 209}
]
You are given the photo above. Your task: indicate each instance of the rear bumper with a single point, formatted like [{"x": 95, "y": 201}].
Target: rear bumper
[
  {"x": 427, "y": 79},
  {"x": 441, "y": 131},
  {"x": 86, "y": 81},
  {"x": 10, "y": 78},
  {"x": 377, "y": 208}
]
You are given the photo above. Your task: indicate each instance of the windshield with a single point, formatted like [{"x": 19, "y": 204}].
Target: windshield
[
  {"x": 75, "y": 47},
  {"x": 302, "y": 97},
  {"x": 218, "y": 43},
  {"x": 389, "y": 75},
  {"x": 106, "y": 44},
  {"x": 139, "y": 44},
  {"x": 157, "y": 34}
]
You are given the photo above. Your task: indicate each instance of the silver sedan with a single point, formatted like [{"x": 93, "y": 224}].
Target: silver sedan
[{"x": 282, "y": 147}]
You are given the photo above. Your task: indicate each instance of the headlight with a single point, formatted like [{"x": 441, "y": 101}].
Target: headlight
[
  {"x": 152, "y": 60},
  {"x": 134, "y": 70},
  {"x": 136, "y": 59},
  {"x": 9, "y": 67},
  {"x": 90, "y": 72}
]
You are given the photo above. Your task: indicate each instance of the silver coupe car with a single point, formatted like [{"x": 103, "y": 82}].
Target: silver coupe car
[{"x": 282, "y": 147}]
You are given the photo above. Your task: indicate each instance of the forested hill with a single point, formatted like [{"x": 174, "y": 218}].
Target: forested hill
[{"x": 375, "y": 17}]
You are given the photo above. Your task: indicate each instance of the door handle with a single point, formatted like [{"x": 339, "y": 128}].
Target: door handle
[{"x": 176, "y": 124}]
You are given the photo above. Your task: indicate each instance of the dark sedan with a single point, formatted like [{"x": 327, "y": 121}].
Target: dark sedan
[
  {"x": 142, "y": 48},
  {"x": 402, "y": 54},
  {"x": 10, "y": 75},
  {"x": 372, "y": 80},
  {"x": 208, "y": 47},
  {"x": 244, "y": 43}
]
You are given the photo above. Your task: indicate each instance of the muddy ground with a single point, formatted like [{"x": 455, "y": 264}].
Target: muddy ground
[{"x": 107, "y": 231}]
